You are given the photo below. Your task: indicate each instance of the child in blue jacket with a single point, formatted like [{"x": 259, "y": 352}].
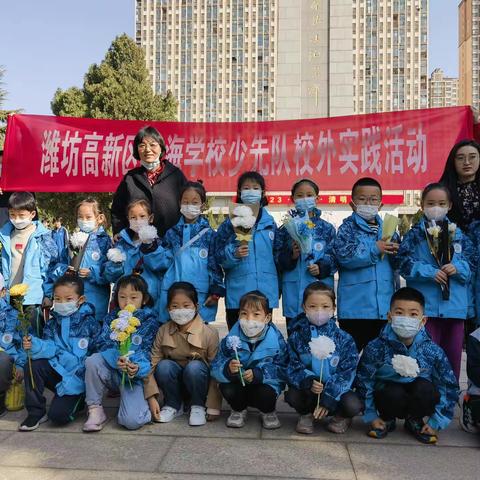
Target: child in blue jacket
[
  {"x": 11, "y": 354},
  {"x": 299, "y": 269},
  {"x": 107, "y": 369},
  {"x": 434, "y": 258},
  {"x": 404, "y": 374},
  {"x": 60, "y": 237},
  {"x": 248, "y": 266},
  {"x": 187, "y": 254},
  {"x": 250, "y": 363},
  {"x": 338, "y": 372},
  {"x": 28, "y": 255},
  {"x": 58, "y": 357},
  {"x": 365, "y": 265},
  {"x": 131, "y": 248}
]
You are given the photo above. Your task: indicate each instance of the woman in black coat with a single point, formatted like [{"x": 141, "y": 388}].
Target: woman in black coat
[{"x": 156, "y": 180}]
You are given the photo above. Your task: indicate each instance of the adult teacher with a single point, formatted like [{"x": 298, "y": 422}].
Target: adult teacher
[{"x": 156, "y": 180}]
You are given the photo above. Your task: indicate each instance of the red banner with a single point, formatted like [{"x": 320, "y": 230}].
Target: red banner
[{"x": 403, "y": 150}]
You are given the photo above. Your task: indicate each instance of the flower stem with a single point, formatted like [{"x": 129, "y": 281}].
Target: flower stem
[
  {"x": 239, "y": 369},
  {"x": 321, "y": 374},
  {"x": 30, "y": 369}
]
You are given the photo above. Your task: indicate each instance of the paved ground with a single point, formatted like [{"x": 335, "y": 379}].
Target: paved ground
[{"x": 178, "y": 452}]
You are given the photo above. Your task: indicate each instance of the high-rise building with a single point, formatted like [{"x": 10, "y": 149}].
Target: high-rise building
[
  {"x": 443, "y": 91},
  {"x": 390, "y": 55},
  {"x": 469, "y": 52}
]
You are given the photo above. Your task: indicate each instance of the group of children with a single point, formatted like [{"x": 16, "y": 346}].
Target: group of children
[{"x": 172, "y": 286}]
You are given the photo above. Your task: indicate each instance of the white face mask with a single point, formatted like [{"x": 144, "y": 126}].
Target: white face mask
[
  {"x": 150, "y": 166},
  {"x": 406, "y": 327},
  {"x": 87, "y": 226},
  {"x": 136, "y": 225},
  {"x": 65, "y": 309},
  {"x": 252, "y": 328},
  {"x": 190, "y": 211},
  {"x": 181, "y": 316},
  {"x": 21, "y": 224},
  {"x": 437, "y": 214},
  {"x": 319, "y": 317},
  {"x": 367, "y": 212}
]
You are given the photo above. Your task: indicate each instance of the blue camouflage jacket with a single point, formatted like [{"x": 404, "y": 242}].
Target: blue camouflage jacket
[
  {"x": 366, "y": 280},
  {"x": 66, "y": 342},
  {"x": 142, "y": 341},
  {"x": 474, "y": 235},
  {"x": 60, "y": 237},
  {"x": 10, "y": 341},
  {"x": 375, "y": 368},
  {"x": 294, "y": 274},
  {"x": 338, "y": 371},
  {"x": 418, "y": 266},
  {"x": 267, "y": 358}
]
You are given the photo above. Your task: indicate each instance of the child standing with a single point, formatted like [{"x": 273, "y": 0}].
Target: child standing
[
  {"x": 106, "y": 368},
  {"x": 434, "y": 258},
  {"x": 187, "y": 253},
  {"x": 366, "y": 279},
  {"x": 338, "y": 372},
  {"x": 248, "y": 266},
  {"x": 60, "y": 237},
  {"x": 58, "y": 357},
  {"x": 28, "y": 255},
  {"x": 404, "y": 374},
  {"x": 181, "y": 356},
  {"x": 257, "y": 378},
  {"x": 299, "y": 269}
]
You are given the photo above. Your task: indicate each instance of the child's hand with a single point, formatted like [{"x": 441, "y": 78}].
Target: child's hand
[
  {"x": 378, "y": 424},
  {"x": 211, "y": 301},
  {"x": 295, "y": 250},
  {"x": 234, "y": 366},
  {"x": 319, "y": 413},
  {"x": 449, "y": 269},
  {"x": 428, "y": 430},
  {"x": 441, "y": 277},
  {"x": 84, "y": 272},
  {"x": 154, "y": 407},
  {"x": 27, "y": 343},
  {"x": 122, "y": 364},
  {"x": 132, "y": 369},
  {"x": 317, "y": 387},
  {"x": 18, "y": 374},
  {"x": 241, "y": 251},
  {"x": 248, "y": 375},
  {"x": 313, "y": 269},
  {"x": 390, "y": 248},
  {"x": 47, "y": 302}
]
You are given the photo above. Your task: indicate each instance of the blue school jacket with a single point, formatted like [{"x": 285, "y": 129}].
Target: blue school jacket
[
  {"x": 473, "y": 362},
  {"x": 41, "y": 258},
  {"x": 141, "y": 345},
  {"x": 474, "y": 291},
  {"x": 339, "y": 369},
  {"x": 255, "y": 272},
  {"x": 134, "y": 253},
  {"x": 418, "y": 266},
  {"x": 97, "y": 287},
  {"x": 10, "y": 341},
  {"x": 267, "y": 358},
  {"x": 375, "y": 368},
  {"x": 66, "y": 342},
  {"x": 366, "y": 281},
  {"x": 195, "y": 264},
  {"x": 294, "y": 274},
  {"x": 60, "y": 237}
]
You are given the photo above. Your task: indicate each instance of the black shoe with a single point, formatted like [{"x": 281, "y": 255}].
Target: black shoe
[
  {"x": 3, "y": 408},
  {"x": 32, "y": 423},
  {"x": 414, "y": 427},
  {"x": 380, "y": 433}
]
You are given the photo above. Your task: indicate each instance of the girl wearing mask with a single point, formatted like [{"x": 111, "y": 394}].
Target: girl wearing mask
[{"x": 434, "y": 257}]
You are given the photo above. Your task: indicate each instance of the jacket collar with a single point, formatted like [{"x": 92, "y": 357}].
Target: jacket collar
[
  {"x": 125, "y": 236},
  {"x": 193, "y": 333},
  {"x": 390, "y": 337},
  {"x": 140, "y": 174},
  {"x": 363, "y": 225}
]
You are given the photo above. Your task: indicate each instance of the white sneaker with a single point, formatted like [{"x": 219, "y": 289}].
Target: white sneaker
[
  {"x": 96, "y": 419},
  {"x": 167, "y": 414},
  {"x": 197, "y": 416},
  {"x": 237, "y": 419},
  {"x": 270, "y": 421}
]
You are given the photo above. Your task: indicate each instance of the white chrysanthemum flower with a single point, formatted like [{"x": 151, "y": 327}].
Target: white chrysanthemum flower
[
  {"x": 147, "y": 234},
  {"x": 78, "y": 239},
  {"x": 122, "y": 324},
  {"x": 244, "y": 222},
  {"x": 234, "y": 342},
  {"x": 115, "y": 255},
  {"x": 405, "y": 366},
  {"x": 452, "y": 227},
  {"x": 434, "y": 231},
  {"x": 322, "y": 347},
  {"x": 242, "y": 211}
]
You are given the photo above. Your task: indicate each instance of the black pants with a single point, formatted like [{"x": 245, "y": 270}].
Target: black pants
[
  {"x": 232, "y": 316},
  {"x": 62, "y": 409},
  {"x": 362, "y": 331},
  {"x": 304, "y": 402},
  {"x": 475, "y": 406},
  {"x": 259, "y": 396},
  {"x": 6, "y": 366},
  {"x": 416, "y": 399}
]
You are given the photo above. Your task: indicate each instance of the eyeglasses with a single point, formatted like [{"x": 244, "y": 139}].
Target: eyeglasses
[
  {"x": 464, "y": 160},
  {"x": 143, "y": 146},
  {"x": 368, "y": 200}
]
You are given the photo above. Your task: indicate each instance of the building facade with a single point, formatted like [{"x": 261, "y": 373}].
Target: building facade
[{"x": 442, "y": 90}]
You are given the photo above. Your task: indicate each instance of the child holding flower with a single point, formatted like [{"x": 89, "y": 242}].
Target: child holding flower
[
  {"x": 435, "y": 258},
  {"x": 134, "y": 323}
]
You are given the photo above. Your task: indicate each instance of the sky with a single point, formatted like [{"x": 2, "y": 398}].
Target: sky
[{"x": 51, "y": 43}]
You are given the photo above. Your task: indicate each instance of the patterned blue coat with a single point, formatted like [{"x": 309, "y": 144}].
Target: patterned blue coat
[
  {"x": 294, "y": 274},
  {"x": 66, "y": 342},
  {"x": 255, "y": 272},
  {"x": 375, "y": 368},
  {"x": 142, "y": 341},
  {"x": 195, "y": 264},
  {"x": 267, "y": 358},
  {"x": 10, "y": 341},
  {"x": 418, "y": 266},
  {"x": 366, "y": 280},
  {"x": 474, "y": 235},
  {"x": 60, "y": 237},
  {"x": 338, "y": 371}
]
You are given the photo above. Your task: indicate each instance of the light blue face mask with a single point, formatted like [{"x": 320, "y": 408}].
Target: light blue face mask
[
  {"x": 150, "y": 166},
  {"x": 305, "y": 204},
  {"x": 406, "y": 327},
  {"x": 87, "y": 226},
  {"x": 65, "y": 309},
  {"x": 251, "y": 197}
]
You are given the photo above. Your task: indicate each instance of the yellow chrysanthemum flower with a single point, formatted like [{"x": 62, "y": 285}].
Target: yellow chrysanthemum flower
[
  {"x": 113, "y": 325},
  {"x": 19, "y": 290},
  {"x": 130, "y": 329},
  {"x": 134, "y": 322},
  {"x": 310, "y": 224},
  {"x": 122, "y": 336},
  {"x": 130, "y": 308}
]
